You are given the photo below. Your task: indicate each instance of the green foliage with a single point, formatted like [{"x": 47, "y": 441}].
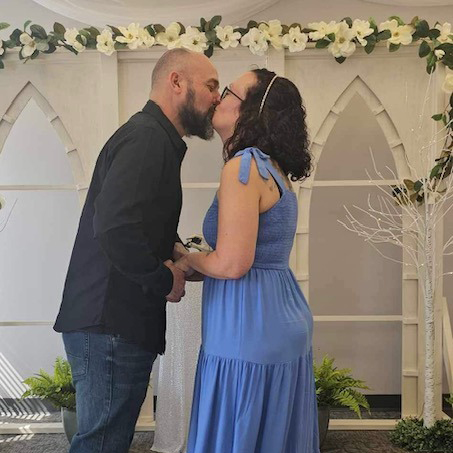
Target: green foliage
[
  {"x": 336, "y": 387},
  {"x": 58, "y": 389},
  {"x": 411, "y": 435}
]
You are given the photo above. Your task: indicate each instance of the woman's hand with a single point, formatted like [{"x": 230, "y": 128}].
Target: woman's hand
[{"x": 190, "y": 274}]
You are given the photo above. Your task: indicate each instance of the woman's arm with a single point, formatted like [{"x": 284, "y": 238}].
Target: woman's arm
[{"x": 237, "y": 229}]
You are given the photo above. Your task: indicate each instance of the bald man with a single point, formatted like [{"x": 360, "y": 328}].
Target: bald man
[{"x": 121, "y": 272}]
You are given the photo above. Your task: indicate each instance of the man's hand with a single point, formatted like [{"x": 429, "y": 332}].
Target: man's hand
[
  {"x": 179, "y": 282},
  {"x": 190, "y": 274},
  {"x": 179, "y": 251}
]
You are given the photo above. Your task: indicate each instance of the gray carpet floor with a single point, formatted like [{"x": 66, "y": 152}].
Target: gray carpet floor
[{"x": 336, "y": 442}]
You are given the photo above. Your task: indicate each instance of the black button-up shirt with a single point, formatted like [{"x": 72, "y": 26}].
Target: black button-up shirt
[{"x": 116, "y": 281}]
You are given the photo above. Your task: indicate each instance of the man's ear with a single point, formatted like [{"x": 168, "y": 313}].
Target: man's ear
[{"x": 176, "y": 82}]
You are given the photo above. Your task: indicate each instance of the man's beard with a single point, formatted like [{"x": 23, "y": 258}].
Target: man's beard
[{"x": 195, "y": 122}]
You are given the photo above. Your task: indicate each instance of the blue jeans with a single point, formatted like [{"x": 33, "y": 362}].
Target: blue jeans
[{"x": 111, "y": 376}]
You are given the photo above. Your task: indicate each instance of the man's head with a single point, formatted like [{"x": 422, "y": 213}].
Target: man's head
[{"x": 185, "y": 85}]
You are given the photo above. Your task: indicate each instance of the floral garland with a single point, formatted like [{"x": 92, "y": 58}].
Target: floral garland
[{"x": 341, "y": 39}]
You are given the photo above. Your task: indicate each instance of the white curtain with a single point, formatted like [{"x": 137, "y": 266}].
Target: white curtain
[{"x": 177, "y": 372}]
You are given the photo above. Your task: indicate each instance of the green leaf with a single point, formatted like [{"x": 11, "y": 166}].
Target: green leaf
[
  {"x": 418, "y": 185},
  {"x": 422, "y": 28},
  {"x": 38, "y": 32},
  {"x": 4, "y": 25},
  {"x": 27, "y": 23},
  {"x": 414, "y": 21},
  {"x": 437, "y": 117},
  {"x": 15, "y": 36},
  {"x": 348, "y": 20},
  {"x": 398, "y": 19},
  {"x": 203, "y": 23},
  {"x": 51, "y": 49},
  {"x": 371, "y": 43},
  {"x": 183, "y": 29},
  {"x": 424, "y": 49},
  {"x": 94, "y": 32},
  {"x": 215, "y": 21},
  {"x": 340, "y": 59},
  {"x": 435, "y": 171},
  {"x": 211, "y": 36},
  {"x": 383, "y": 35},
  {"x": 373, "y": 24},
  {"x": 252, "y": 24},
  {"x": 451, "y": 100},
  {"x": 409, "y": 184},
  {"x": 2, "y": 65},
  {"x": 331, "y": 36},
  {"x": 116, "y": 31},
  {"x": 434, "y": 33},
  {"x": 84, "y": 33},
  {"x": 35, "y": 54},
  {"x": 394, "y": 47},
  {"x": 431, "y": 63},
  {"x": 150, "y": 30},
  {"x": 159, "y": 28},
  {"x": 71, "y": 49},
  {"x": 81, "y": 39},
  {"x": 209, "y": 51},
  {"x": 322, "y": 44},
  {"x": 59, "y": 29}
]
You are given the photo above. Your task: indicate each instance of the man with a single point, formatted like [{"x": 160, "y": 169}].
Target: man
[{"x": 121, "y": 274}]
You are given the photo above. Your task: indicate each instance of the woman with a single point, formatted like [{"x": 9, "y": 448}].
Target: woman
[{"x": 254, "y": 388}]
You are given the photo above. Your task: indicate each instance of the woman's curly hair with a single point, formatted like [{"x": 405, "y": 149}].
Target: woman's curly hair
[{"x": 280, "y": 131}]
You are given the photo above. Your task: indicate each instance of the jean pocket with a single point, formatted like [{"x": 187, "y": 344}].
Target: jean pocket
[{"x": 77, "y": 351}]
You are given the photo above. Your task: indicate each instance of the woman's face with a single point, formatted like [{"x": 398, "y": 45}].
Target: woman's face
[{"x": 227, "y": 112}]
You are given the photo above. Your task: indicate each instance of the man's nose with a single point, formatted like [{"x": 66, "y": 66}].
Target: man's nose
[{"x": 216, "y": 100}]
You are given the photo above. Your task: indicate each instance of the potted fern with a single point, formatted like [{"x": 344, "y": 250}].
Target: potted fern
[
  {"x": 336, "y": 387},
  {"x": 57, "y": 389}
]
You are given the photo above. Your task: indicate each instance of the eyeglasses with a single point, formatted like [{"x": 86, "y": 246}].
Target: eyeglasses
[{"x": 226, "y": 91}]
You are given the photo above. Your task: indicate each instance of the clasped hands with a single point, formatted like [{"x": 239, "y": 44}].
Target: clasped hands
[{"x": 181, "y": 271}]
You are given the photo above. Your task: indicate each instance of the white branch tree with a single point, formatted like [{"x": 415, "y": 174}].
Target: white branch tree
[{"x": 407, "y": 215}]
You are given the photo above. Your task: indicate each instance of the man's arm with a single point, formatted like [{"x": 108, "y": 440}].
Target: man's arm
[{"x": 132, "y": 181}]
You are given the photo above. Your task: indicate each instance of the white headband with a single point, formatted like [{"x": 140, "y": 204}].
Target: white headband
[{"x": 266, "y": 93}]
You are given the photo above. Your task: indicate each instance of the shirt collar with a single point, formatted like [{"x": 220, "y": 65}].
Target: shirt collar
[{"x": 153, "y": 109}]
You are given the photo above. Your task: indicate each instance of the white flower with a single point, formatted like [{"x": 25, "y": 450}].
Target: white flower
[
  {"x": 194, "y": 39},
  {"x": 448, "y": 83},
  {"x": 255, "y": 41},
  {"x": 401, "y": 34},
  {"x": 343, "y": 45},
  {"x": 105, "y": 43},
  {"x": 131, "y": 36},
  {"x": 445, "y": 33},
  {"x": 322, "y": 29},
  {"x": 439, "y": 53},
  {"x": 70, "y": 38},
  {"x": 227, "y": 36},
  {"x": 145, "y": 38},
  {"x": 29, "y": 45},
  {"x": 273, "y": 32},
  {"x": 362, "y": 29},
  {"x": 295, "y": 40},
  {"x": 170, "y": 37},
  {"x": 2, "y": 50}
]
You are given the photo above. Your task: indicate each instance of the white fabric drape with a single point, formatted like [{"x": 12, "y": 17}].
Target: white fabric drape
[
  {"x": 177, "y": 372},
  {"x": 123, "y": 12}
]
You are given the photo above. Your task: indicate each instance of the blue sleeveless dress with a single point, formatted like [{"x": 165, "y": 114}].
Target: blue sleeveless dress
[{"x": 254, "y": 386}]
